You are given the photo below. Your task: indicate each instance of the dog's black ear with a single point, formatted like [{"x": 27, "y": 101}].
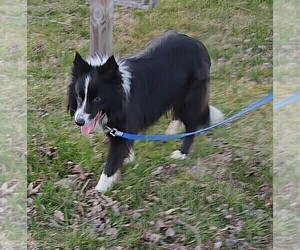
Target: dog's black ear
[
  {"x": 71, "y": 100},
  {"x": 80, "y": 66},
  {"x": 109, "y": 70},
  {"x": 78, "y": 60},
  {"x": 111, "y": 64}
]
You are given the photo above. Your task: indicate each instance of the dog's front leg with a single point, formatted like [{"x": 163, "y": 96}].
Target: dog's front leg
[{"x": 117, "y": 152}]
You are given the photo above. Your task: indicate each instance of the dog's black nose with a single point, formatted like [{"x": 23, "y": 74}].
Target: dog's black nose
[{"x": 80, "y": 122}]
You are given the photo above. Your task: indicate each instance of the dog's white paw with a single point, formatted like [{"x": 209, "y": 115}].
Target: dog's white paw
[
  {"x": 174, "y": 127},
  {"x": 130, "y": 157},
  {"x": 178, "y": 155},
  {"x": 105, "y": 183}
]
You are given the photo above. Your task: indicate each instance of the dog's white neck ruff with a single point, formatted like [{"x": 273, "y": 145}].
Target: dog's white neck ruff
[{"x": 97, "y": 60}]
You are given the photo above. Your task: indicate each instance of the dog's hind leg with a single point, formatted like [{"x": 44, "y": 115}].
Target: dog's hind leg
[
  {"x": 185, "y": 147},
  {"x": 174, "y": 127},
  {"x": 194, "y": 113},
  {"x": 118, "y": 150}
]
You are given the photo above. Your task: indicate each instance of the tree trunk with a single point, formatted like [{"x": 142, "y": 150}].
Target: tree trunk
[{"x": 101, "y": 27}]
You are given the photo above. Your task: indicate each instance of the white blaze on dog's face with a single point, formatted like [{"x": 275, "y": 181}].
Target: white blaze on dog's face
[
  {"x": 88, "y": 114},
  {"x": 98, "y": 91},
  {"x": 81, "y": 117}
]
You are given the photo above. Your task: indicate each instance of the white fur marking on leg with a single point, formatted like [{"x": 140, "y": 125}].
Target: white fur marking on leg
[
  {"x": 174, "y": 127},
  {"x": 130, "y": 158},
  {"x": 105, "y": 183},
  {"x": 216, "y": 115},
  {"x": 178, "y": 155}
]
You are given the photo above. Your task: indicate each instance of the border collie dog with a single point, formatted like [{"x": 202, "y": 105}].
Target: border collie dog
[{"x": 130, "y": 94}]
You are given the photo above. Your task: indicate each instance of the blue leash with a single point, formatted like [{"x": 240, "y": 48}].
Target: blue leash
[
  {"x": 136, "y": 137},
  {"x": 287, "y": 101}
]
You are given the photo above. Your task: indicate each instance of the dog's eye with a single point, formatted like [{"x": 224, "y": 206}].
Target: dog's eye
[{"x": 97, "y": 99}]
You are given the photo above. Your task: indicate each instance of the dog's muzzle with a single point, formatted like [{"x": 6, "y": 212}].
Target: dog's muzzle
[{"x": 80, "y": 122}]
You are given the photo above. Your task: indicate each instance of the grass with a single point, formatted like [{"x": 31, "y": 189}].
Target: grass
[
  {"x": 56, "y": 30},
  {"x": 13, "y": 125},
  {"x": 286, "y": 156}
]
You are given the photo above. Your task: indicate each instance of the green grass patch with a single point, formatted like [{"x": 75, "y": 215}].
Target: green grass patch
[{"x": 229, "y": 30}]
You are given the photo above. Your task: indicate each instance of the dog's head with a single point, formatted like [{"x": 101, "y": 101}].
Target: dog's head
[{"x": 96, "y": 94}]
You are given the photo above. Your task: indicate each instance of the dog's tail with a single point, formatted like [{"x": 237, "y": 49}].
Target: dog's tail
[{"x": 215, "y": 115}]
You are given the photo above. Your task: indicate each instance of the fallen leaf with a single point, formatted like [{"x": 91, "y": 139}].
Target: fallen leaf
[
  {"x": 21, "y": 151},
  {"x": 77, "y": 170},
  {"x": 59, "y": 216},
  {"x": 213, "y": 228},
  {"x": 151, "y": 223},
  {"x": 154, "y": 183},
  {"x": 168, "y": 212},
  {"x": 160, "y": 224},
  {"x": 65, "y": 183},
  {"x": 49, "y": 152},
  {"x": 96, "y": 209},
  {"x": 8, "y": 188},
  {"x": 34, "y": 187},
  {"x": 287, "y": 189},
  {"x": 264, "y": 188},
  {"x": 228, "y": 216},
  {"x": 79, "y": 207},
  {"x": 218, "y": 245},
  {"x": 112, "y": 232},
  {"x": 170, "y": 232},
  {"x": 252, "y": 171},
  {"x": 174, "y": 246},
  {"x": 39, "y": 48},
  {"x": 153, "y": 198},
  {"x": 164, "y": 171},
  {"x": 31, "y": 244},
  {"x": 210, "y": 199},
  {"x": 152, "y": 237},
  {"x": 269, "y": 202},
  {"x": 136, "y": 215}
]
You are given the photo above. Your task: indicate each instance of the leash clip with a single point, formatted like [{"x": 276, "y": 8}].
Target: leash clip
[{"x": 112, "y": 131}]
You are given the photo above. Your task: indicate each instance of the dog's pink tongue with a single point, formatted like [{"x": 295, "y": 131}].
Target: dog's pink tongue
[{"x": 86, "y": 129}]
